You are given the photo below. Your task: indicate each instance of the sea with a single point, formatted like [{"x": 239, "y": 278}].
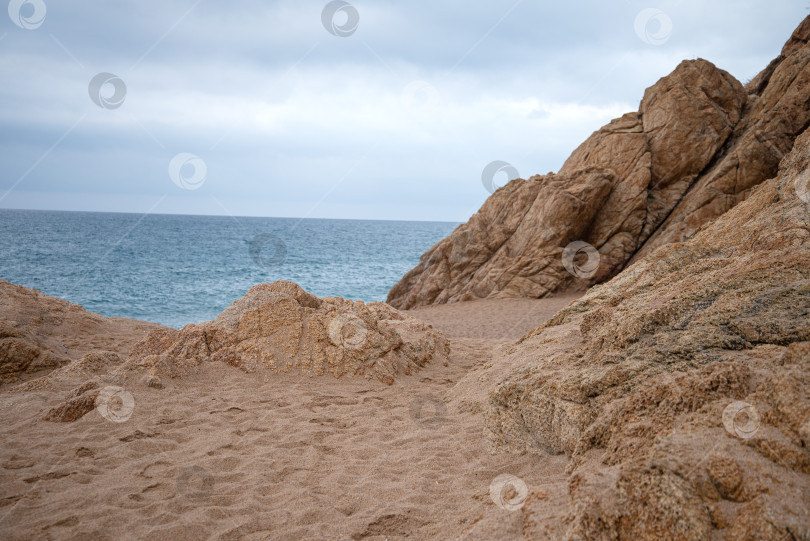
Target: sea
[{"x": 175, "y": 270}]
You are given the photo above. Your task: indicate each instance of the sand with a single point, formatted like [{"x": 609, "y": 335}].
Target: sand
[{"x": 229, "y": 455}]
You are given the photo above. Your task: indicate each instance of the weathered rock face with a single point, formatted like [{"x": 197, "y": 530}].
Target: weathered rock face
[
  {"x": 39, "y": 333},
  {"x": 681, "y": 388},
  {"x": 282, "y": 327},
  {"x": 776, "y": 111},
  {"x": 78, "y": 403},
  {"x": 496, "y": 252},
  {"x": 697, "y": 146},
  {"x": 19, "y": 350}
]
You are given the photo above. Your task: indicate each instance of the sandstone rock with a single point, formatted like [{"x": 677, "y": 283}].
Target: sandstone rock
[
  {"x": 76, "y": 405},
  {"x": 97, "y": 361},
  {"x": 681, "y": 383},
  {"x": 512, "y": 246},
  {"x": 91, "y": 364},
  {"x": 687, "y": 118},
  {"x": 153, "y": 381},
  {"x": 23, "y": 351},
  {"x": 39, "y": 333},
  {"x": 698, "y": 145},
  {"x": 798, "y": 40},
  {"x": 621, "y": 146},
  {"x": 282, "y": 327},
  {"x": 16, "y": 355},
  {"x": 778, "y": 109},
  {"x": 726, "y": 476}
]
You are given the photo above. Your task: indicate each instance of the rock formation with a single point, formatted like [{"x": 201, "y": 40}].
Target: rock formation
[
  {"x": 79, "y": 402},
  {"x": 277, "y": 326},
  {"x": 700, "y": 142},
  {"x": 282, "y": 327},
  {"x": 39, "y": 333},
  {"x": 680, "y": 389}
]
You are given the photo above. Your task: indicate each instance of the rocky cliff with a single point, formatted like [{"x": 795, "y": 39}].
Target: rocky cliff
[
  {"x": 698, "y": 145},
  {"x": 680, "y": 389}
]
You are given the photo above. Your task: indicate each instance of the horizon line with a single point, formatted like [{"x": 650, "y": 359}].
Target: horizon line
[{"x": 232, "y": 216}]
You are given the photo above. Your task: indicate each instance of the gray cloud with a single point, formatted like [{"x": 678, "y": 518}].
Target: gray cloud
[{"x": 291, "y": 120}]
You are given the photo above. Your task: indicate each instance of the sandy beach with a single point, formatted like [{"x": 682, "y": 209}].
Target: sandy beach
[
  {"x": 615, "y": 351},
  {"x": 228, "y": 455}
]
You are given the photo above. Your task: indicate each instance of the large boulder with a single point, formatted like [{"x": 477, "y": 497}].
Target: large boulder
[
  {"x": 776, "y": 111},
  {"x": 699, "y": 143},
  {"x": 282, "y": 327},
  {"x": 680, "y": 389},
  {"x": 512, "y": 246}
]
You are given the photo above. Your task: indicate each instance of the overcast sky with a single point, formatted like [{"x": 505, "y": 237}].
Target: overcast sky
[{"x": 283, "y": 109}]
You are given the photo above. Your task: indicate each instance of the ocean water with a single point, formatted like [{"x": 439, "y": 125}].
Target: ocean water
[{"x": 176, "y": 270}]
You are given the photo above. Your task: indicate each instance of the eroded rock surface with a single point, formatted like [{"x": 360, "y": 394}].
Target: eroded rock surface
[
  {"x": 698, "y": 145},
  {"x": 680, "y": 389},
  {"x": 39, "y": 333},
  {"x": 282, "y": 327}
]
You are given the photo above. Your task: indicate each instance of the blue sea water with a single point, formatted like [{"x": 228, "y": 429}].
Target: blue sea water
[{"x": 176, "y": 270}]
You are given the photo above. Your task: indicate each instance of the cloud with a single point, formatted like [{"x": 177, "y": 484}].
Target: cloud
[{"x": 395, "y": 121}]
